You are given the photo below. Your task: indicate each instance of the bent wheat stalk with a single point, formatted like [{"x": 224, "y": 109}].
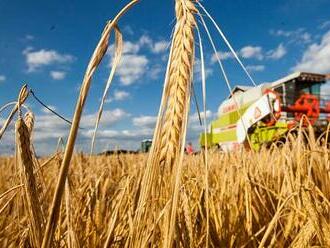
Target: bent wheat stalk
[
  {"x": 115, "y": 63},
  {"x": 23, "y": 95},
  {"x": 97, "y": 56}
]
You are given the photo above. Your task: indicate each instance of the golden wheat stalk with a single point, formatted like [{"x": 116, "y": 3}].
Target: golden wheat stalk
[{"x": 97, "y": 56}]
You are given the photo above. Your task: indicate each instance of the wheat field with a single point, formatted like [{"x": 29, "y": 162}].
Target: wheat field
[{"x": 277, "y": 197}]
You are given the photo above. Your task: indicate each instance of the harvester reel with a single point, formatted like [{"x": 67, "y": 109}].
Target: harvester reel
[{"x": 311, "y": 104}]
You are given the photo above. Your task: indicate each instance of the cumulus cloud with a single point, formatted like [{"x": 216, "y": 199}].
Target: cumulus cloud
[
  {"x": 317, "y": 57},
  {"x": 48, "y": 126},
  {"x": 108, "y": 117},
  {"x": 128, "y": 29},
  {"x": 198, "y": 70},
  {"x": 277, "y": 53},
  {"x": 160, "y": 46},
  {"x": 145, "y": 40},
  {"x": 221, "y": 55},
  {"x": 57, "y": 75},
  {"x": 145, "y": 121},
  {"x": 37, "y": 59},
  {"x": 46, "y": 111},
  {"x": 29, "y": 37},
  {"x": 249, "y": 52},
  {"x": 130, "y": 47},
  {"x": 194, "y": 118},
  {"x": 122, "y": 135},
  {"x": 325, "y": 25},
  {"x": 119, "y": 95},
  {"x": 295, "y": 36},
  {"x": 255, "y": 68},
  {"x": 155, "y": 71},
  {"x": 132, "y": 67},
  {"x": 2, "y": 78}
]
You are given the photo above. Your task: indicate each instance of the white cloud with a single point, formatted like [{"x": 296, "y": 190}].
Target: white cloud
[
  {"x": 155, "y": 71},
  {"x": 29, "y": 37},
  {"x": 255, "y": 68},
  {"x": 58, "y": 75},
  {"x": 325, "y": 25},
  {"x": 317, "y": 57},
  {"x": 46, "y": 111},
  {"x": 249, "y": 52},
  {"x": 194, "y": 118},
  {"x": 222, "y": 56},
  {"x": 160, "y": 46},
  {"x": 121, "y": 137},
  {"x": 145, "y": 121},
  {"x": 130, "y": 47},
  {"x": 277, "y": 53},
  {"x": 296, "y": 36},
  {"x": 132, "y": 67},
  {"x": 128, "y": 29},
  {"x": 198, "y": 71},
  {"x": 108, "y": 117},
  {"x": 48, "y": 125},
  {"x": 48, "y": 128},
  {"x": 43, "y": 57},
  {"x": 2, "y": 78},
  {"x": 145, "y": 40},
  {"x": 120, "y": 95}
]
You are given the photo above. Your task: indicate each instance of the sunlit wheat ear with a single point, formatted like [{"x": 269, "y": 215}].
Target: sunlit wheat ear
[
  {"x": 31, "y": 196},
  {"x": 171, "y": 127},
  {"x": 168, "y": 144}
]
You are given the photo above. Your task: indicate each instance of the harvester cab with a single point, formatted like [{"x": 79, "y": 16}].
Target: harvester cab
[{"x": 253, "y": 116}]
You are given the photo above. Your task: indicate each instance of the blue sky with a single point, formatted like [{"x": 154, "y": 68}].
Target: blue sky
[{"x": 47, "y": 44}]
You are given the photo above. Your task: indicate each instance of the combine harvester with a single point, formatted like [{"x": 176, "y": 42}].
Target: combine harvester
[{"x": 261, "y": 115}]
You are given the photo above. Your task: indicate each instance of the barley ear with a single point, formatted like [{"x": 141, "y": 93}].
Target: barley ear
[{"x": 31, "y": 196}]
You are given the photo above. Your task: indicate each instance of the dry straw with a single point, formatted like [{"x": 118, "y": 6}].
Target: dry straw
[{"x": 97, "y": 57}]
